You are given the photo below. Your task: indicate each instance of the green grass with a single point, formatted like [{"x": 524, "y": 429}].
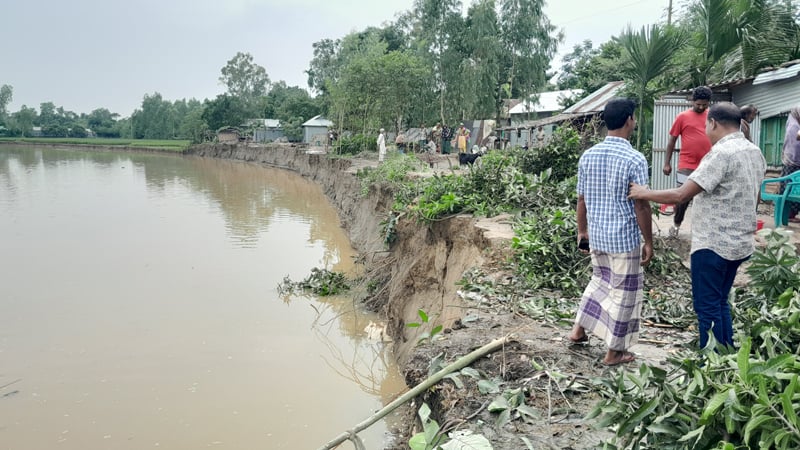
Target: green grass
[{"x": 163, "y": 144}]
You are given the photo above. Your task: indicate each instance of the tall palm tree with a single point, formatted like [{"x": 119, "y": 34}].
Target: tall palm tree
[
  {"x": 647, "y": 54},
  {"x": 737, "y": 38}
]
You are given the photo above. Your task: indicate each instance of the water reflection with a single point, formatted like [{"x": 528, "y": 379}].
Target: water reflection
[{"x": 139, "y": 307}]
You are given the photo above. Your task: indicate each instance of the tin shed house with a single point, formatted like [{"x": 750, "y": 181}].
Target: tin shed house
[
  {"x": 774, "y": 92},
  {"x": 315, "y": 130},
  {"x": 267, "y": 130}
]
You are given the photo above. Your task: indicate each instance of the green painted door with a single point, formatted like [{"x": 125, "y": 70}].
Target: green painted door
[{"x": 773, "y": 130}]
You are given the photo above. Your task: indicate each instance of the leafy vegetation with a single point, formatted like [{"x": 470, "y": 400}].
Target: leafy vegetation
[
  {"x": 428, "y": 335},
  {"x": 740, "y": 399},
  {"x": 321, "y": 282},
  {"x": 357, "y": 143}
]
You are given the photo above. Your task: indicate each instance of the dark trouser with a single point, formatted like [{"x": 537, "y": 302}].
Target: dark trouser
[
  {"x": 680, "y": 213},
  {"x": 680, "y": 208},
  {"x": 712, "y": 279}
]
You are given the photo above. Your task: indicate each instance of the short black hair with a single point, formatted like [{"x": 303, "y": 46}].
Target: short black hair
[
  {"x": 617, "y": 111},
  {"x": 702, "y": 93},
  {"x": 747, "y": 110},
  {"x": 725, "y": 113}
]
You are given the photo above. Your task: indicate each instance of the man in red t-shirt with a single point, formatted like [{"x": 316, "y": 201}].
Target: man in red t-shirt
[{"x": 690, "y": 126}]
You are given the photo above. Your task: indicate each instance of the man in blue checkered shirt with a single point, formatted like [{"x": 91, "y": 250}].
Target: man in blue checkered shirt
[{"x": 613, "y": 226}]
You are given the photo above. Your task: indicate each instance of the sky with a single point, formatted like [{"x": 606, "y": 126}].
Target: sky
[{"x": 89, "y": 54}]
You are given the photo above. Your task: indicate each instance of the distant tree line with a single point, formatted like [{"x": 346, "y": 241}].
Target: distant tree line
[{"x": 249, "y": 95}]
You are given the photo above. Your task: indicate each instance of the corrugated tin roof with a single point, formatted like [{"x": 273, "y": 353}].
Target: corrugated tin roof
[
  {"x": 596, "y": 101},
  {"x": 786, "y": 70},
  {"x": 318, "y": 121},
  {"x": 548, "y": 101},
  {"x": 592, "y": 104},
  {"x": 781, "y": 73}
]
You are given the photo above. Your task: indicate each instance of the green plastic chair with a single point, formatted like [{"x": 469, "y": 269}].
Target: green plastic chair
[{"x": 790, "y": 194}]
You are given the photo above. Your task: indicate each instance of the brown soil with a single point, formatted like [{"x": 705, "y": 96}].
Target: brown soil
[{"x": 420, "y": 272}]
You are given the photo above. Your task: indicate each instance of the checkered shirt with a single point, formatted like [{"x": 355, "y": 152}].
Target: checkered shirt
[{"x": 605, "y": 172}]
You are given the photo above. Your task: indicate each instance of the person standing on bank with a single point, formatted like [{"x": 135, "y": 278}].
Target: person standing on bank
[
  {"x": 690, "y": 126},
  {"x": 613, "y": 225},
  {"x": 381, "y": 146},
  {"x": 725, "y": 190}
]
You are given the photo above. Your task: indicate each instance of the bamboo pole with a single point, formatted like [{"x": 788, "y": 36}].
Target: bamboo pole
[{"x": 459, "y": 364}]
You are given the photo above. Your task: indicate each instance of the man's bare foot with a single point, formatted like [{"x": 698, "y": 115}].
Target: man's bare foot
[{"x": 615, "y": 358}]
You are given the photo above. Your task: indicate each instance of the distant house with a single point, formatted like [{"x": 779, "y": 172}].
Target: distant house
[
  {"x": 541, "y": 105},
  {"x": 315, "y": 130},
  {"x": 228, "y": 135},
  {"x": 537, "y": 131},
  {"x": 266, "y": 130},
  {"x": 36, "y": 132},
  {"x": 774, "y": 92}
]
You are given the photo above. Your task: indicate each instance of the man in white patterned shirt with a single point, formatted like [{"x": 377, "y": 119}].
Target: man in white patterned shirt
[
  {"x": 613, "y": 226},
  {"x": 725, "y": 190}
]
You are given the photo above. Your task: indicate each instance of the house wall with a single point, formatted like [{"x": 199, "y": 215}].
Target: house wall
[
  {"x": 228, "y": 138},
  {"x": 773, "y": 100},
  {"x": 312, "y": 134},
  {"x": 267, "y": 135}
]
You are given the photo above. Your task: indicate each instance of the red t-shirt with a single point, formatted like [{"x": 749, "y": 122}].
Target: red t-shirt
[{"x": 691, "y": 127}]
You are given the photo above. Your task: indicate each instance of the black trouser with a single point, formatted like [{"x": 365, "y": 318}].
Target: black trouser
[
  {"x": 680, "y": 213},
  {"x": 680, "y": 208}
]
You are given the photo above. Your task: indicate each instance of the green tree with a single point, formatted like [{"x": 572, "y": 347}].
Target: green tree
[
  {"x": 21, "y": 123},
  {"x": 647, "y": 54},
  {"x": 483, "y": 65},
  {"x": 590, "y": 68},
  {"x": 737, "y": 38},
  {"x": 47, "y": 115},
  {"x": 6, "y": 95},
  {"x": 292, "y": 106},
  {"x": 245, "y": 80},
  {"x": 436, "y": 25},
  {"x": 529, "y": 41},
  {"x": 156, "y": 119},
  {"x": 224, "y": 111},
  {"x": 78, "y": 131},
  {"x": 101, "y": 122}
]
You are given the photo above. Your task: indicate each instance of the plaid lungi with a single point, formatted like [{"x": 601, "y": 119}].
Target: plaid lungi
[{"x": 611, "y": 305}]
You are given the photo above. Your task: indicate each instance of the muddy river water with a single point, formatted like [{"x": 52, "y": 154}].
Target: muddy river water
[{"x": 139, "y": 309}]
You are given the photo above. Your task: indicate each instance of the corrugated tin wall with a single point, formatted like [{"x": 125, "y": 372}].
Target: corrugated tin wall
[
  {"x": 771, "y": 99},
  {"x": 663, "y": 115}
]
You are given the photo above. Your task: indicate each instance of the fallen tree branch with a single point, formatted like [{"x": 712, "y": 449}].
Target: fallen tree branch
[{"x": 459, "y": 364}]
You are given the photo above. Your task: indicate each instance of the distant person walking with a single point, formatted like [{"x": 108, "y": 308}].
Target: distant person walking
[
  {"x": 725, "y": 190},
  {"x": 462, "y": 139},
  {"x": 791, "y": 155},
  {"x": 690, "y": 126},
  {"x": 381, "y": 146},
  {"x": 613, "y": 226}
]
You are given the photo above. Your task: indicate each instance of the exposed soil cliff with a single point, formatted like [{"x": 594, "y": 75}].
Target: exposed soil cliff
[{"x": 422, "y": 268}]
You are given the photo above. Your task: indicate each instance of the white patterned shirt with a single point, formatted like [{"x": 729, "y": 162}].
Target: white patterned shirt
[
  {"x": 724, "y": 213},
  {"x": 605, "y": 172}
]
